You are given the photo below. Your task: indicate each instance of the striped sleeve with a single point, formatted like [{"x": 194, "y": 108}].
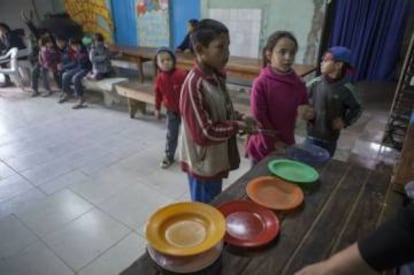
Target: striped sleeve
[{"x": 195, "y": 113}]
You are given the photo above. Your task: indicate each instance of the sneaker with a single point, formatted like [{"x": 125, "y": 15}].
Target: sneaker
[
  {"x": 64, "y": 98},
  {"x": 48, "y": 93},
  {"x": 35, "y": 93},
  {"x": 80, "y": 104},
  {"x": 166, "y": 162}
]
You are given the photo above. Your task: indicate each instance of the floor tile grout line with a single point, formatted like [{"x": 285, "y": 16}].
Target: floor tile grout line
[{"x": 43, "y": 242}]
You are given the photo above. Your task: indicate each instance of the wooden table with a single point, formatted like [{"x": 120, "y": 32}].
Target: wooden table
[
  {"x": 238, "y": 67},
  {"x": 346, "y": 204}
]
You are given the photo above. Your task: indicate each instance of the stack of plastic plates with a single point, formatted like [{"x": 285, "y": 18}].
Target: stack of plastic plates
[{"x": 185, "y": 237}]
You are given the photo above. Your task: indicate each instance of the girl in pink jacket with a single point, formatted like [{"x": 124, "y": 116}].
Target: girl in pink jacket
[{"x": 276, "y": 96}]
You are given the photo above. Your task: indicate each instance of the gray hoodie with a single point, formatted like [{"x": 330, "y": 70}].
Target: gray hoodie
[{"x": 99, "y": 56}]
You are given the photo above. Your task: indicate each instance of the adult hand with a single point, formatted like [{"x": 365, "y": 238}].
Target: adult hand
[{"x": 320, "y": 268}]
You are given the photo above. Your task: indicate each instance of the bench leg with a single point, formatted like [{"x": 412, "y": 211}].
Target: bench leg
[
  {"x": 140, "y": 70},
  {"x": 134, "y": 105}
]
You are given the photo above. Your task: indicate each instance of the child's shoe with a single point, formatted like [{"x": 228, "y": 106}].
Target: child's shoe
[
  {"x": 166, "y": 162},
  {"x": 80, "y": 103},
  {"x": 35, "y": 93},
  {"x": 48, "y": 93},
  {"x": 64, "y": 98}
]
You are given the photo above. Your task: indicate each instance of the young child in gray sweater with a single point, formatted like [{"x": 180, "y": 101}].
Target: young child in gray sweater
[
  {"x": 99, "y": 56},
  {"x": 333, "y": 99}
]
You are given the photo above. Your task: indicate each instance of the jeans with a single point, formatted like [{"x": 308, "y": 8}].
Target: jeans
[
  {"x": 330, "y": 146},
  {"x": 204, "y": 190},
  {"x": 74, "y": 76},
  {"x": 173, "y": 127},
  {"x": 40, "y": 71}
]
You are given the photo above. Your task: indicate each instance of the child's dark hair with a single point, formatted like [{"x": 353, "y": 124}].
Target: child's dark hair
[
  {"x": 272, "y": 41},
  {"x": 206, "y": 31},
  {"x": 60, "y": 37},
  {"x": 45, "y": 39},
  {"x": 193, "y": 22},
  {"x": 163, "y": 50},
  {"x": 98, "y": 37},
  {"x": 75, "y": 41},
  {"x": 5, "y": 26}
]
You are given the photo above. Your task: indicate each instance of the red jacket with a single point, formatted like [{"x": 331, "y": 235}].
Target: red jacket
[{"x": 167, "y": 89}]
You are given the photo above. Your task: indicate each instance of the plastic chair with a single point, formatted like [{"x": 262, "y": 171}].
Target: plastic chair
[{"x": 13, "y": 70}]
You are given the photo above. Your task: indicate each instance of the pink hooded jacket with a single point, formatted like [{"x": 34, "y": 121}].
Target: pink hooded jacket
[{"x": 274, "y": 101}]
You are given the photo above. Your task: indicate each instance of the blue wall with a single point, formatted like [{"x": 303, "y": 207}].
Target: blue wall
[
  {"x": 180, "y": 12},
  {"x": 124, "y": 18}
]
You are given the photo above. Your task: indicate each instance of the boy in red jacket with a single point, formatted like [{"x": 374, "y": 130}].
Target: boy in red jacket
[{"x": 167, "y": 91}]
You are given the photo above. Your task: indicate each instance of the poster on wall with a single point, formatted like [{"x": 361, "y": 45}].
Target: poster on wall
[
  {"x": 93, "y": 15},
  {"x": 244, "y": 26},
  {"x": 153, "y": 23}
]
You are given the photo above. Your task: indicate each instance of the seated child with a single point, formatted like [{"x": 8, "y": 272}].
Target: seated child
[
  {"x": 186, "y": 45},
  {"x": 66, "y": 56},
  {"x": 333, "y": 99},
  {"x": 75, "y": 72},
  {"x": 99, "y": 56},
  {"x": 48, "y": 60}
]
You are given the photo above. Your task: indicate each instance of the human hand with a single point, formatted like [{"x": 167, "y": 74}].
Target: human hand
[
  {"x": 157, "y": 114},
  {"x": 280, "y": 146},
  {"x": 306, "y": 112},
  {"x": 321, "y": 268},
  {"x": 60, "y": 67},
  {"x": 338, "y": 124},
  {"x": 248, "y": 125}
]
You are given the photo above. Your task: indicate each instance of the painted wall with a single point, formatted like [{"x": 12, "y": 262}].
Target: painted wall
[
  {"x": 124, "y": 16},
  {"x": 303, "y": 18},
  {"x": 181, "y": 11},
  {"x": 10, "y": 10}
]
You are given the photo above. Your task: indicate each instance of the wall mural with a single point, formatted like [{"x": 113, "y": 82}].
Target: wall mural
[
  {"x": 153, "y": 23},
  {"x": 93, "y": 15}
]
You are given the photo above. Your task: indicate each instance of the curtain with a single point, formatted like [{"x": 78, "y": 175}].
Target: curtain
[{"x": 373, "y": 30}]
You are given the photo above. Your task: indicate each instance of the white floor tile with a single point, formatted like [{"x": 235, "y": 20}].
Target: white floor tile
[
  {"x": 54, "y": 212},
  {"x": 78, "y": 243},
  {"x": 5, "y": 171},
  {"x": 134, "y": 205},
  {"x": 104, "y": 184},
  {"x": 21, "y": 202},
  {"x": 73, "y": 177},
  {"x": 36, "y": 259},
  {"x": 117, "y": 258},
  {"x": 13, "y": 186},
  {"x": 14, "y": 236}
]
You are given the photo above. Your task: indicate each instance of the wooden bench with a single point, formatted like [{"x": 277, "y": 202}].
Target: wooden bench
[
  {"x": 107, "y": 87},
  {"x": 138, "y": 95}
]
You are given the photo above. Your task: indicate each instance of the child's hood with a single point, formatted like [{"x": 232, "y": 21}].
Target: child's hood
[{"x": 288, "y": 78}]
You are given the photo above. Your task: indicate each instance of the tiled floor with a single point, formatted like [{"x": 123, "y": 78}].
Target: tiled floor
[{"x": 76, "y": 187}]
